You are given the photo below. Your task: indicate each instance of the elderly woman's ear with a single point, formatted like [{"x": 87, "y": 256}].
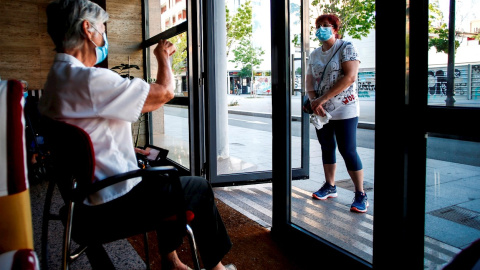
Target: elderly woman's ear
[{"x": 85, "y": 26}]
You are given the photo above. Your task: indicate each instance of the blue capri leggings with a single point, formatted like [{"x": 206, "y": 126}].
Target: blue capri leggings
[{"x": 343, "y": 133}]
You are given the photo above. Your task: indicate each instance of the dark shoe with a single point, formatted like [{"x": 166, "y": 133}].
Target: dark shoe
[
  {"x": 325, "y": 192},
  {"x": 360, "y": 202}
]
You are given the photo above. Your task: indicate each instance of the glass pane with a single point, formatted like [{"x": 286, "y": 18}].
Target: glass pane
[
  {"x": 170, "y": 126},
  {"x": 466, "y": 58},
  {"x": 452, "y": 206},
  {"x": 332, "y": 219},
  {"x": 296, "y": 82},
  {"x": 244, "y": 137}
]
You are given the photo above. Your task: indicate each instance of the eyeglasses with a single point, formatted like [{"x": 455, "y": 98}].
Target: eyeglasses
[
  {"x": 97, "y": 30},
  {"x": 324, "y": 25}
]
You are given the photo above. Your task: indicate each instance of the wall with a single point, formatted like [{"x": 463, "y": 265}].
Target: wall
[
  {"x": 124, "y": 31},
  {"x": 26, "y": 50}
]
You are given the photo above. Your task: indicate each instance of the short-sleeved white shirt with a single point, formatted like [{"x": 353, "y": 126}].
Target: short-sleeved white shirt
[
  {"x": 344, "y": 105},
  {"x": 104, "y": 104}
]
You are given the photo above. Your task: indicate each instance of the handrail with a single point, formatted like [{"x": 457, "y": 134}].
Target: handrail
[{"x": 171, "y": 32}]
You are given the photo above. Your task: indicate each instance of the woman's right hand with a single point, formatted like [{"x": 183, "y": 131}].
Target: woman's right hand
[
  {"x": 164, "y": 48},
  {"x": 317, "y": 106}
]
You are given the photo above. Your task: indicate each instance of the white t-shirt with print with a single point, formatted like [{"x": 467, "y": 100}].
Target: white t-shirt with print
[
  {"x": 103, "y": 104},
  {"x": 344, "y": 105}
]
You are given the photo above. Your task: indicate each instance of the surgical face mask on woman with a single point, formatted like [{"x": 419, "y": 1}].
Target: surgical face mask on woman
[
  {"x": 324, "y": 33},
  {"x": 101, "y": 52}
]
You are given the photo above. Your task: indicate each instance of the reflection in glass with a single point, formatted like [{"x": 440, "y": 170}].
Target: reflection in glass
[
  {"x": 170, "y": 127},
  {"x": 452, "y": 202},
  {"x": 296, "y": 82},
  {"x": 466, "y": 64}
]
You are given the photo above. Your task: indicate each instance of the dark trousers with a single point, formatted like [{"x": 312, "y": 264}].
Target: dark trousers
[
  {"x": 146, "y": 206},
  {"x": 343, "y": 133}
]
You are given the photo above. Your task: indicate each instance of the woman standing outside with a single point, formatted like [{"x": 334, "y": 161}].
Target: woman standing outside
[{"x": 332, "y": 89}]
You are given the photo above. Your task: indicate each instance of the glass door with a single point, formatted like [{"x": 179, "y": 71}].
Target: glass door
[
  {"x": 239, "y": 93},
  {"x": 452, "y": 195},
  {"x": 330, "y": 216},
  {"x": 175, "y": 125}
]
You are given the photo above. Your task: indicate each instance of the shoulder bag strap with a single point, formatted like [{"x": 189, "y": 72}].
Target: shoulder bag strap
[{"x": 325, "y": 68}]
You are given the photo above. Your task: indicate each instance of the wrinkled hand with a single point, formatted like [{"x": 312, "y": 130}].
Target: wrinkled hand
[
  {"x": 164, "y": 49},
  {"x": 317, "y": 106},
  {"x": 141, "y": 151}
]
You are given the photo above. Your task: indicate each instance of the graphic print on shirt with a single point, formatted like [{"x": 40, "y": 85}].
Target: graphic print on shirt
[{"x": 333, "y": 73}]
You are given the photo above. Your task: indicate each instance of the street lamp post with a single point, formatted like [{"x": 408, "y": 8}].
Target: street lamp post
[{"x": 450, "y": 101}]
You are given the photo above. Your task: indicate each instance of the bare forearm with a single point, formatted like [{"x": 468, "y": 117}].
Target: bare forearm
[
  {"x": 162, "y": 90},
  {"x": 342, "y": 84},
  {"x": 165, "y": 74}
]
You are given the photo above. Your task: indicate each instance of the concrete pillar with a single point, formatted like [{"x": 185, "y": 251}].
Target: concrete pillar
[{"x": 221, "y": 80}]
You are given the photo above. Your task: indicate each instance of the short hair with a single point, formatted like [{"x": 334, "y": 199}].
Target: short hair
[
  {"x": 65, "y": 19},
  {"x": 331, "y": 18}
]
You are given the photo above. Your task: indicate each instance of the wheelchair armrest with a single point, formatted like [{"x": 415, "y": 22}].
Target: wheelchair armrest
[
  {"x": 169, "y": 173},
  {"x": 19, "y": 259}
]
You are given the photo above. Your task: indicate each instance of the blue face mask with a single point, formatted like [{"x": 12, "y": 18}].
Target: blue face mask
[
  {"x": 324, "y": 33},
  {"x": 101, "y": 52}
]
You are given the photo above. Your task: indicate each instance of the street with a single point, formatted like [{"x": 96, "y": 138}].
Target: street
[{"x": 463, "y": 152}]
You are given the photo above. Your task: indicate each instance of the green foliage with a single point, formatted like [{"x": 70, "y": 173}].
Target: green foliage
[
  {"x": 179, "y": 58},
  {"x": 357, "y": 16},
  {"x": 239, "y": 26},
  {"x": 441, "y": 42},
  {"x": 295, "y": 15},
  {"x": 239, "y": 33},
  {"x": 124, "y": 70},
  {"x": 245, "y": 72},
  {"x": 439, "y": 34},
  {"x": 247, "y": 56},
  {"x": 233, "y": 103},
  {"x": 298, "y": 71}
]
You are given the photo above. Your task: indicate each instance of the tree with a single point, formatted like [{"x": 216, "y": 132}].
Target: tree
[
  {"x": 180, "y": 57},
  {"x": 477, "y": 37},
  {"x": 357, "y": 16},
  {"x": 247, "y": 56},
  {"x": 239, "y": 35},
  {"x": 239, "y": 26},
  {"x": 438, "y": 29}
]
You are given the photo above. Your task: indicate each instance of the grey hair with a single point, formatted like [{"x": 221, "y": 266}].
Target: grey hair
[{"x": 65, "y": 19}]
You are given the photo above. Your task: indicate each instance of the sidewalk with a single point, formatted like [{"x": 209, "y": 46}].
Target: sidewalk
[{"x": 261, "y": 105}]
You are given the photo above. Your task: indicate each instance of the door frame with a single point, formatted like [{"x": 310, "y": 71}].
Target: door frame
[
  {"x": 400, "y": 152},
  {"x": 211, "y": 115}
]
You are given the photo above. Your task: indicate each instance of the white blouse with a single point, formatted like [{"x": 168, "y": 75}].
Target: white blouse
[
  {"x": 344, "y": 105},
  {"x": 104, "y": 104}
]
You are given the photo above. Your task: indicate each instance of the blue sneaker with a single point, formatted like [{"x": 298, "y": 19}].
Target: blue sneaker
[
  {"x": 325, "y": 192},
  {"x": 360, "y": 202}
]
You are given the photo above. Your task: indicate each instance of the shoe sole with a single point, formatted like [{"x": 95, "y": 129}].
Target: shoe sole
[
  {"x": 333, "y": 195},
  {"x": 354, "y": 209}
]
